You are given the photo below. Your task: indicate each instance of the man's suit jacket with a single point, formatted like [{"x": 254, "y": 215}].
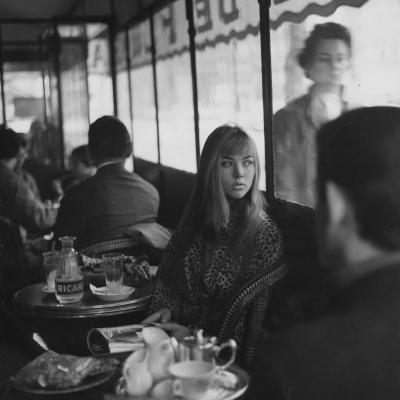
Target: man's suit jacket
[
  {"x": 352, "y": 353},
  {"x": 105, "y": 205}
]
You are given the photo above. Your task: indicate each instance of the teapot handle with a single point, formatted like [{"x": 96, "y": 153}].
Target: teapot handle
[{"x": 228, "y": 344}]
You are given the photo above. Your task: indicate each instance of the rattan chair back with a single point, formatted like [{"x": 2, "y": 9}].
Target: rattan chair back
[{"x": 252, "y": 299}]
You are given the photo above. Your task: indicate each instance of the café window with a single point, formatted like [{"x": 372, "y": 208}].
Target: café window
[
  {"x": 321, "y": 67},
  {"x": 23, "y": 90},
  {"x": 122, "y": 85},
  {"x": 74, "y": 86},
  {"x": 174, "y": 88},
  {"x": 99, "y": 72},
  {"x": 228, "y": 63},
  {"x": 122, "y": 79},
  {"x": 143, "y": 101}
]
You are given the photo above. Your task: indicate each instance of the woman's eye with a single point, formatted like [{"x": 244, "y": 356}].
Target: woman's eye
[
  {"x": 226, "y": 163},
  {"x": 247, "y": 163}
]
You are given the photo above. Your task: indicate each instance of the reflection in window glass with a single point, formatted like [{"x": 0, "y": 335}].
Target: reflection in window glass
[
  {"x": 99, "y": 73},
  {"x": 143, "y": 104},
  {"x": 174, "y": 88},
  {"x": 301, "y": 104},
  {"x": 228, "y": 60}
]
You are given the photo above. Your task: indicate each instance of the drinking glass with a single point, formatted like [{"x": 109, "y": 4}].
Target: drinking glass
[
  {"x": 113, "y": 264},
  {"x": 51, "y": 261}
]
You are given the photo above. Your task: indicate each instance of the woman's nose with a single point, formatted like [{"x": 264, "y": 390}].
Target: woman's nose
[{"x": 238, "y": 172}]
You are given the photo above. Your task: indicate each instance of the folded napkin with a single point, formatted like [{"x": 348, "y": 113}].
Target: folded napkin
[{"x": 103, "y": 290}]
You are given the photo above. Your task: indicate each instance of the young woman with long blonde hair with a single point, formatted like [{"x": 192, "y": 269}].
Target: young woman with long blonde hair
[{"x": 225, "y": 236}]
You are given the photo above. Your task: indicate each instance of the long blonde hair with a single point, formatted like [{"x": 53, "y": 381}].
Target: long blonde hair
[{"x": 209, "y": 210}]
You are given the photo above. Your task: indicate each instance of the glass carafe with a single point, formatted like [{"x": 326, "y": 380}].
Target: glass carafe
[{"x": 69, "y": 279}]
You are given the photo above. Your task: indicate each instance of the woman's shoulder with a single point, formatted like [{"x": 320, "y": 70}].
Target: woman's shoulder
[{"x": 268, "y": 228}]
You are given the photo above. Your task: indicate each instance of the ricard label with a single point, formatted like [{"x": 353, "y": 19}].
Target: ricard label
[{"x": 69, "y": 287}]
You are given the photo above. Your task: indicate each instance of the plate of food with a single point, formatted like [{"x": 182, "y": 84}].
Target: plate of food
[
  {"x": 53, "y": 373},
  {"x": 137, "y": 270}
]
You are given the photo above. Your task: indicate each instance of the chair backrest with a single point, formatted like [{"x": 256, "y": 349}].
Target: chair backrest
[
  {"x": 250, "y": 302},
  {"x": 12, "y": 260}
]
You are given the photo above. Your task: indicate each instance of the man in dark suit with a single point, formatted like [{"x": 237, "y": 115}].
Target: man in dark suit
[
  {"x": 354, "y": 351},
  {"x": 105, "y": 205}
]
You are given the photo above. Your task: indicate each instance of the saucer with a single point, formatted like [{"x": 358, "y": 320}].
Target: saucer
[
  {"x": 46, "y": 289},
  {"x": 103, "y": 294},
  {"x": 228, "y": 384}
]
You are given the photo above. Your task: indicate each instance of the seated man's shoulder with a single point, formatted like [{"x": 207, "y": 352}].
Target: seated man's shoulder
[
  {"x": 144, "y": 183},
  {"x": 85, "y": 188}
]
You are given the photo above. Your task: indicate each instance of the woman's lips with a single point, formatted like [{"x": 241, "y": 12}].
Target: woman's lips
[{"x": 238, "y": 186}]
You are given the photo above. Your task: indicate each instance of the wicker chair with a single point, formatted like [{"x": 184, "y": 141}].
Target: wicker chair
[
  {"x": 12, "y": 260},
  {"x": 252, "y": 299}
]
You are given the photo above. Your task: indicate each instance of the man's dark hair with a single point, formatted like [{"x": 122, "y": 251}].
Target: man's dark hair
[
  {"x": 359, "y": 152},
  {"x": 109, "y": 139},
  {"x": 82, "y": 154},
  {"x": 9, "y": 143}
]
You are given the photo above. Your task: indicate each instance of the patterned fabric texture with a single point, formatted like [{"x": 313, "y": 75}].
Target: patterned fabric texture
[{"x": 199, "y": 300}]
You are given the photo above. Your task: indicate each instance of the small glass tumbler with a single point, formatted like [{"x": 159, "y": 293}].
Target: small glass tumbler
[
  {"x": 51, "y": 261},
  {"x": 113, "y": 264}
]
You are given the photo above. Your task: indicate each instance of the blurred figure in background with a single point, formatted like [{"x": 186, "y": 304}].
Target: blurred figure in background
[
  {"x": 18, "y": 203},
  {"x": 80, "y": 168},
  {"x": 326, "y": 60},
  {"x": 38, "y": 164},
  {"x": 19, "y": 169}
]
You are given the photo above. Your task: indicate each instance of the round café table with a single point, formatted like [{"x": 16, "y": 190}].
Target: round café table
[
  {"x": 64, "y": 327},
  {"x": 33, "y": 302}
]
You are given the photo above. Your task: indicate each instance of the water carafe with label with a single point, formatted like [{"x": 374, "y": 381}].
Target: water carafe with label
[{"x": 69, "y": 278}]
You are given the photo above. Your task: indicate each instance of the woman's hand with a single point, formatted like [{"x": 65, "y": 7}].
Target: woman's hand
[
  {"x": 175, "y": 330},
  {"x": 163, "y": 316}
]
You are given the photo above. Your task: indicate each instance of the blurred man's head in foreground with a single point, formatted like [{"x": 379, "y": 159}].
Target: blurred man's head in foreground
[{"x": 358, "y": 185}]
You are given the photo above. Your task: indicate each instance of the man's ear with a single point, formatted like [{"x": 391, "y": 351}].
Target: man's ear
[{"x": 337, "y": 203}]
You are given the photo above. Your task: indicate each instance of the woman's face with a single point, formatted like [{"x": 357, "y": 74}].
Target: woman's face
[
  {"x": 330, "y": 63},
  {"x": 237, "y": 174}
]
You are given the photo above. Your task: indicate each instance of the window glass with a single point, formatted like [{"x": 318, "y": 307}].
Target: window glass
[
  {"x": 1, "y": 110},
  {"x": 333, "y": 78},
  {"x": 228, "y": 61},
  {"x": 99, "y": 72},
  {"x": 143, "y": 104},
  {"x": 23, "y": 92},
  {"x": 122, "y": 79},
  {"x": 174, "y": 88},
  {"x": 74, "y": 100},
  {"x": 122, "y": 82}
]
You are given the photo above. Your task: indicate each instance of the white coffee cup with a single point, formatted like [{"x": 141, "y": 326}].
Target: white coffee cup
[{"x": 192, "y": 378}]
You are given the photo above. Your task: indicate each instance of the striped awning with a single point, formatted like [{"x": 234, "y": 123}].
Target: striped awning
[{"x": 297, "y": 11}]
